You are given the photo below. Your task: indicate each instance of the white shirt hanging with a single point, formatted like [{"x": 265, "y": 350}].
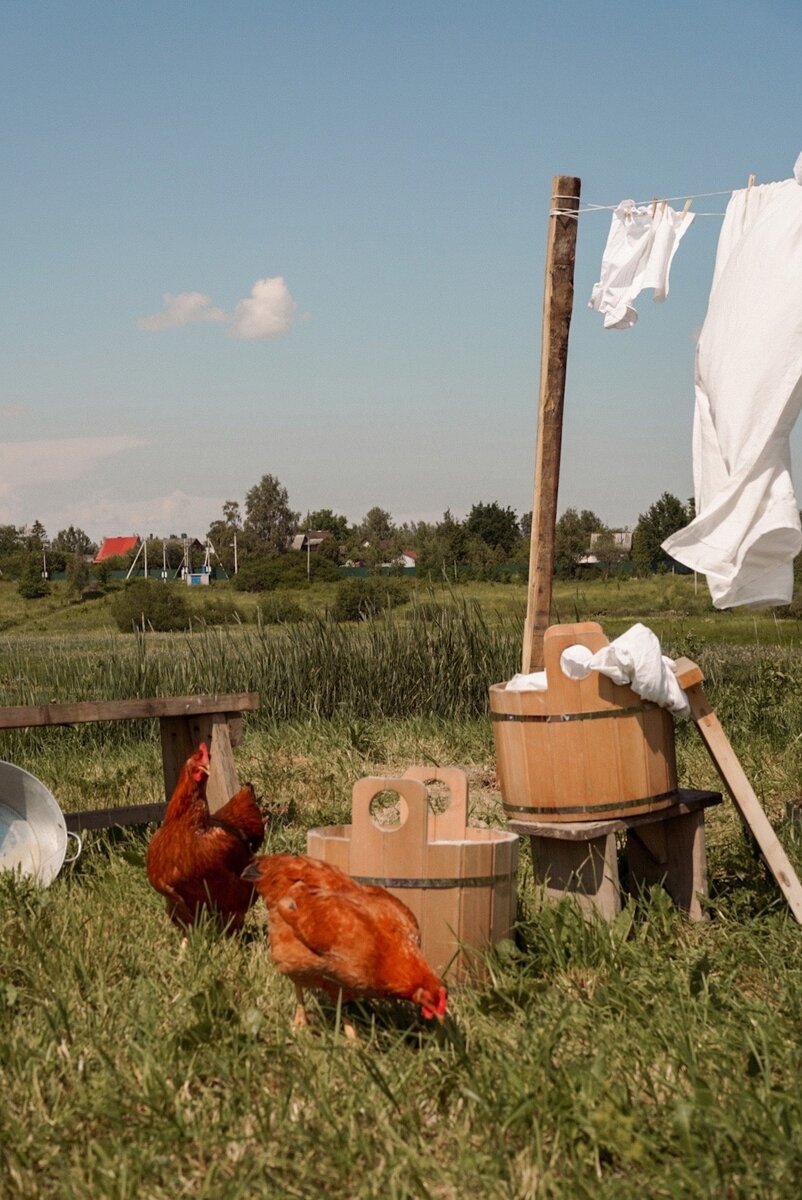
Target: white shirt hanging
[
  {"x": 748, "y": 396},
  {"x": 640, "y": 248}
]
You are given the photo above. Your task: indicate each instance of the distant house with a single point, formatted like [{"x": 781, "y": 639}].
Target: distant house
[
  {"x": 312, "y": 540},
  {"x": 115, "y": 547},
  {"x": 407, "y": 558},
  {"x": 622, "y": 539}
]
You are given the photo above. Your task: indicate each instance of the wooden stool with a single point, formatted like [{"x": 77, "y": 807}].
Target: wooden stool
[{"x": 668, "y": 847}]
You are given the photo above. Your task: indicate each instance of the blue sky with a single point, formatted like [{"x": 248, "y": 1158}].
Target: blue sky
[{"x": 347, "y": 203}]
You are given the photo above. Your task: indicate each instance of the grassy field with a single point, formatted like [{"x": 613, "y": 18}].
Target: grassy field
[{"x": 648, "y": 1058}]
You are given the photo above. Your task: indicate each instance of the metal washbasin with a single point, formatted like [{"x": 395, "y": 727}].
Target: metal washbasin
[{"x": 33, "y": 834}]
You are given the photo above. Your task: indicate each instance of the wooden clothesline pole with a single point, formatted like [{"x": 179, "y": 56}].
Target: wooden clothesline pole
[{"x": 558, "y": 300}]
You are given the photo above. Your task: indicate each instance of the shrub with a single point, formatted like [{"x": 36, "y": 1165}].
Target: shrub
[
  {"x": 360, "y": 599},
  {"x": 219, "y": 610},
  {"x": 157, "y": 605},
  {"x": 280, "y": 610},
  {"x": 32, "y": 586},
  {"x": 283, "y": 570}
]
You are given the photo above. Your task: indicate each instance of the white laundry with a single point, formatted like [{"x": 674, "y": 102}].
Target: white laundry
[
  {"x": 748, "y": 396},
  {"x": 534, "y": 682},
  {"x": 635, "y": 658},
  {"x": 640, "y": 248}
]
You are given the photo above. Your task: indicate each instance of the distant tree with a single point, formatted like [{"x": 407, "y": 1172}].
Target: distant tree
[
  {"x": 666, "y": 516},
  {"x": 77, "y": 574},
  {"x": 268, "y": 516},
  {"x": 376, "y": 526},
  {"x": 526, "y": 525},
  {"x": 496, "y": 526},
  {"x": 73, "y": 541},
  {"x": 11, "y": 539},
  {"x": 324, "y": 518},
  {"x": 221, "y": 534},
  {"x": 36, "y": 536},
  {"x": 572, "y": 539},
  {"x": 441, "y": 547},
  {"x": 32, "y": 584},
  {"x": 232, "y": 514}
]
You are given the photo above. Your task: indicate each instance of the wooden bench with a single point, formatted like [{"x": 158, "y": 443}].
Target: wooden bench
[
  {"x": 580, "y": 858},
  {"x": 184, "y": 722}
]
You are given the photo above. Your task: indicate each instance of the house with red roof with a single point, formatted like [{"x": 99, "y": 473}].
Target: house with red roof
[{"x": 115, "y": 546}]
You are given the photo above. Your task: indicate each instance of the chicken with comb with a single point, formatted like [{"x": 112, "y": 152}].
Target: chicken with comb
[
  {"x": 331, "y": 933},
  {"x": 195, "y": 859}
]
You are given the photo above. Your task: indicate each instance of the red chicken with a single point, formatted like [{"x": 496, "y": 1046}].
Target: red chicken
[
  {"x": 195, "y": 859},
  {"x": 329, "y": 932}
]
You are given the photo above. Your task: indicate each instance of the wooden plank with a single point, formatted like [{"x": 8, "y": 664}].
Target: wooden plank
[
  {"x": 223, "y": 782},
  {"x": 586, "y": 871},
  {"x": 24, "y": 716},
  {"x": 740, "y": 789},
  {"x": 672, "y": 854},
  {"x": 558, "y": 302},
  {"x": 106, "y": 818},
  {"x": 691, "y": 799},
  {"x": 178, "y": 740}
]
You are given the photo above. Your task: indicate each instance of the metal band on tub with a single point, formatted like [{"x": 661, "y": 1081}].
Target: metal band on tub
[
  {"x": 558, "y": 718},
  {"x": 473, "y": 881},
  {"x": 585, "y": 808}
]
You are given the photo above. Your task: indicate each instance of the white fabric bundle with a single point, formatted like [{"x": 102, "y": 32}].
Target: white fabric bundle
[{"x": 635, "y": 658}]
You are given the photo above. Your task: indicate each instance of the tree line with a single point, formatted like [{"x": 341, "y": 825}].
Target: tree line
[{"x": 254, "y": 539}]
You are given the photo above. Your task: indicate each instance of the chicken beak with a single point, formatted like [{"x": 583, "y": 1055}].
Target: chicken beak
[{"x": 251, "y": 873}]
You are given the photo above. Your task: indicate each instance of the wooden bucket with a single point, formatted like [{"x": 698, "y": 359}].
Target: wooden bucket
[
  {"x": 584, "y": 749},
  {"x": 459, "y": 882}
]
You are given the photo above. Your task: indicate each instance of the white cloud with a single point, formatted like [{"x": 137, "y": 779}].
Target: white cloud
[
  {"x": 107, "y": 514},
  {"x": 187, "y": 308},
  {"x": 56, "y": 460},
  {"x": 269, "y": 313},
  {"x": 33, "y": 474}
]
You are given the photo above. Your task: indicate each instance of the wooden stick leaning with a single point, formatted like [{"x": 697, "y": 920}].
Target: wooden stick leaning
[
  {"x": 558, "y": 301},
  {"x": 690, "y": 678}
]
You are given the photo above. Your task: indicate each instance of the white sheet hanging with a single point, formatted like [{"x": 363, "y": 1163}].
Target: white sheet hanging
[
  {"x": 748, "y": 396},
  {"x": 640, "y": 248}
]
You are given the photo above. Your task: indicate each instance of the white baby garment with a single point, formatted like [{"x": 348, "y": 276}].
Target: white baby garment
[
  {"x": 748, "y": 395},
  {"x": 640, "y": 247}
]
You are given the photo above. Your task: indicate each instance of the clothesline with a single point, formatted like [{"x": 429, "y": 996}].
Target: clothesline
[{"x": 592, "y": 208}]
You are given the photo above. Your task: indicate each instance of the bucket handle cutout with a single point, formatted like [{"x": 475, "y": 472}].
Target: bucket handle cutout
[
  {"x": 450, "y": 824},
  {"x": 69, "y": 858}
]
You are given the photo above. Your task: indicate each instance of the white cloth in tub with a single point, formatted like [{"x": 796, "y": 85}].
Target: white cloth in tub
[{"x": 635, "y": 658}]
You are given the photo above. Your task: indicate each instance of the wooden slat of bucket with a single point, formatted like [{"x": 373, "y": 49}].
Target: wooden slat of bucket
[
  {"x": 441, "y": 921},
  {"x": 398, "y": 852},
  {"x": 449, "y": 824},
  {"x": 331, "y": 844},
  {"x": 476, "y": 903},
  {"x": 505, "y": 861},
  {"x": 441, "y": 906},
  {"x": 580, "y": 752}
]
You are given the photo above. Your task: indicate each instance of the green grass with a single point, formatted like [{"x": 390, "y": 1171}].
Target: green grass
[
  {"x": 648, "y": 1058},
  {"x": 652, "y": 1057}
]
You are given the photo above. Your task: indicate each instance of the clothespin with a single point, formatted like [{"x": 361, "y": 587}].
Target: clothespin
[
  {"x": 654, "y": 206},
  {"x": 687, "y": 206},
  {"x": 750, "y": 183}
]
